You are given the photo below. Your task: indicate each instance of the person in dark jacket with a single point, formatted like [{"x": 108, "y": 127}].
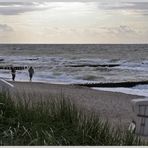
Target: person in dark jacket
[
  {"x": 13, "y": 72},
  {"x": 31, "y": 72}
]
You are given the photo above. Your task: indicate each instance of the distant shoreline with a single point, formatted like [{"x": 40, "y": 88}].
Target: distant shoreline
[{"x": 73, "y": 43}]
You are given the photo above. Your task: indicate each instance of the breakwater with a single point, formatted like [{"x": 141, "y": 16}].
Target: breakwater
[
  {"x": 16, "y": 67},
  {"x": 114, "y": 84}
]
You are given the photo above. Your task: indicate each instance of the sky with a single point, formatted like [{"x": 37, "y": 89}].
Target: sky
[{"x": 69, "y": 21}]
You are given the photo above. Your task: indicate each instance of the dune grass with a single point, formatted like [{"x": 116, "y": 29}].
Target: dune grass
[{"x": 56, "y": 122}]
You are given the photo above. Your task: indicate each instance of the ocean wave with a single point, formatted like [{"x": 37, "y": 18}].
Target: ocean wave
[{"x": 78, "y": 63}]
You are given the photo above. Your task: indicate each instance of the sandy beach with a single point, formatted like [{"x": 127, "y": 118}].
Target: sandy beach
[{"x": 111, "y": 106}]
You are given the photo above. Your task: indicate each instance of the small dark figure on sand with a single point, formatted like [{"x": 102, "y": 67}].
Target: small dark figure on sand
[
  {"x": 31, "y": 72},
  {"x": 13, "y": 72}
]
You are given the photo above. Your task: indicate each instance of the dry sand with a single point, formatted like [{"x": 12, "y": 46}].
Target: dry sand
[{"x": 115, "y": 107}]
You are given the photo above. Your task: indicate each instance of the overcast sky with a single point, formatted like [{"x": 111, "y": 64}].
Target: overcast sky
[{"x": 81, "y": 21}]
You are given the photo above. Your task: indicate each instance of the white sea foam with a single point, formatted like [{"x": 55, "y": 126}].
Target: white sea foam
[
  {"x": 56, "y": 68},
  {"x": 140, "y": 90},
  {"x": 141, "y": 66},
  {"x": 50, "y": 62}
]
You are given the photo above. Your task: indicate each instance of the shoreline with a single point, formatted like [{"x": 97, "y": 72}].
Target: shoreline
[
  {"x": 112, "y": 106},
  {"x": 115, "y": 87},
  {"x": 103, "y": 89}
]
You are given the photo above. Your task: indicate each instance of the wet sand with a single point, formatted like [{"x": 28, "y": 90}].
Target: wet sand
[{"x": 111, "y": 106}]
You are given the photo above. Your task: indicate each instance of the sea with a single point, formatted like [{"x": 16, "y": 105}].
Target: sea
[{"x": 79, "y": 64}]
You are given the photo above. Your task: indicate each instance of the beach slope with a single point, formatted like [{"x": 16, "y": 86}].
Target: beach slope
[{"x": 111, "y": 106}]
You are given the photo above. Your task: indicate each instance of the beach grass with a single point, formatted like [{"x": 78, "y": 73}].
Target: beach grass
[{"x": 55, "y": 122}]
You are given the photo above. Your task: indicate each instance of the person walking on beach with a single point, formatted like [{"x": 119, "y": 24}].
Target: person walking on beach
[
  {"x": 13, "y": 72},
  {"x": 31, "y": 72}
]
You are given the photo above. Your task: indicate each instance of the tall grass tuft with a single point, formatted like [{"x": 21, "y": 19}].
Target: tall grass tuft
[{"x": 55, "y": 122}]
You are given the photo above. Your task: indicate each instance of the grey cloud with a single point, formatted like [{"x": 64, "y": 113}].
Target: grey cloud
[
  {"x": 13, "y": 3},
  {"x": 122, "y": 29},
  {"x": 50, "y": 1},
  {"x": 14, "y": 8},
  {"x": 5, "y": 28},
  {"x": 132, "y": 6},
  {"x": 108, "y": 1},
  {"x": 139, "y": 7}
]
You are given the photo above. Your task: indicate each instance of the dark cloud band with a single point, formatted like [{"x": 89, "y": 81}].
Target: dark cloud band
[
  {"x": 130, "y": 6},
  {"x": 15, "y": 7}
]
